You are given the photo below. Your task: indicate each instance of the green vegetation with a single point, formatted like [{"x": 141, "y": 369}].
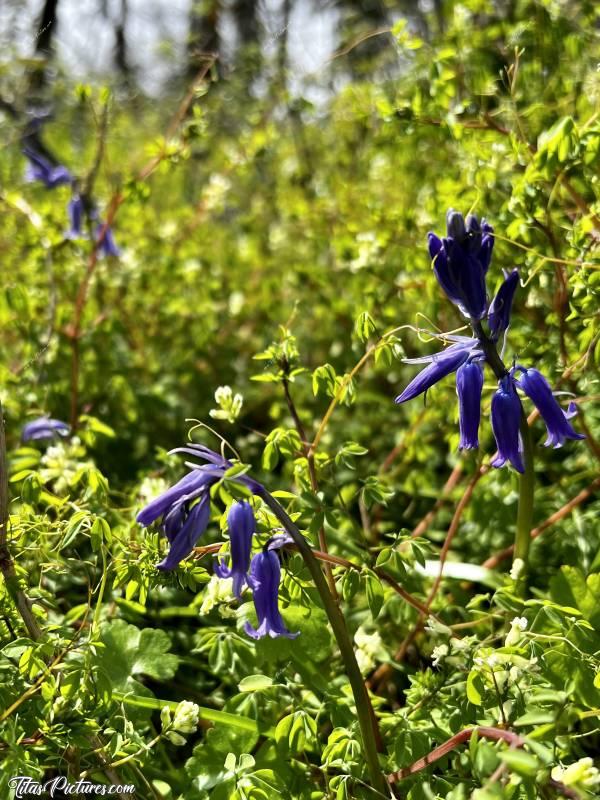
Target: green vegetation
[{"x": 273, "y": 275}]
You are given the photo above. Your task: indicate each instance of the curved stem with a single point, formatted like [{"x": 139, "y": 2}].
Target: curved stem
[
  {"x": 371, "y": 737},
  {"x": 525, "y": 508}
]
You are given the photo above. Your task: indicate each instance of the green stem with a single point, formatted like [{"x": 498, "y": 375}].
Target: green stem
[
  {"x": 208, "y": 714},
  {"x": 525, "y": 509},
  {"x": 7, "y": 565},
  {"x": 371, "y": 737}
]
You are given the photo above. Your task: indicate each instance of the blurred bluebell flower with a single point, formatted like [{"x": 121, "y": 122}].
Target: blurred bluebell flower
[
  {"x": 461, "y": 260},
  {"x": 537, "y": 388},
  {"x": 44, "y": 428},
  {"x": 76, "y": 212},
  {"x": 107, "y": 245},
  {"x": 501, "y": 305},
  {"x": 241, "y": 525},
  {"x": 506, "y": 417},
  {"x": 469, "y": 384},
  {"x": 42, "y": 169},
  {"x": 438, "y": 366},
  {"x": 265, "y": 574}
]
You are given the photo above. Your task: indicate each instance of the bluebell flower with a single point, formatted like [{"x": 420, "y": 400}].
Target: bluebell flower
[
  {"x": 76, "y": 213},
  {"x": 537, "y": 388},
  {"x": 183, "y": 511},
  {"x": 461, "y": 260},
  {"x": 506, "y": 417},
  {"x": 265, "y": 574},
  {"x": 501, "y": 305},
  {"x": 107, "y": 245},
  {"x": 438, "y": 366},
  {"x": 42, "y": 169},
  {"x": 44, "y": 428},
  {"x": 242, "y": 526},
  {"x": 469, "y": 384}
]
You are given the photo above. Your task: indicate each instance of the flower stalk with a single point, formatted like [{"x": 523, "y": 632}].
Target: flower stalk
[
  {"x": 525, "y": 509},
  {"x": 371, "y": 737}
]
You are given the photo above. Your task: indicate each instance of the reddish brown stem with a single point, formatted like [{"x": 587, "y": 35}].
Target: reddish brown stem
[
  {"x": 452, "y": 481},
  {"x": 496, "y": 734},
  {"x": 494, "y": 561}
]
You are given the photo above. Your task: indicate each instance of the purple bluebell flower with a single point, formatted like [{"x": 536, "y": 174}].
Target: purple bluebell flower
[
  {"x": 438, "y": 366},
  {"x": 107, "y": 245},
  {"x": 42, "y": 169},
  {"x": 76, "y": 212},
  {"x": 44, "y": 428},
  {"x": 537, "y": 388},
  {"x": 501, "y": 305},
  {"x": 184, "y": 509},
  {"x": 506, "y": 417},
  {"x": 242, "y": 526},
  {"x": 265, "y": 574},
  {"x": 461, "y": 260},
  {"x": 469, "y": 384}
]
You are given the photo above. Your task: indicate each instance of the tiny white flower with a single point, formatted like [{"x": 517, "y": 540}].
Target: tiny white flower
[
  {"x": 434, "y": 626},
  {"x": 230, "y": 404},
  {"x": 186, "y": 717},
  {"x": 439, "y": 653},
  {"x": 517, "y": 627},
  {"x": 582, "y": 773},
  {"x": 517, "y": 568},
  {"x": 368, "y": 645},
  {"x": 217, "y": 592}
]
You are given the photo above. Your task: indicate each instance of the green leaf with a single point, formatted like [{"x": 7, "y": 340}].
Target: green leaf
[
  {"x": 255, "y": 683},
  {"x": 374, "y": 592},
  {"x": 364, "y": 326},
  {"x": 520, "y": 762},
  {"x": 475, "y": 688},
  {"x": 130, "y": 653}
]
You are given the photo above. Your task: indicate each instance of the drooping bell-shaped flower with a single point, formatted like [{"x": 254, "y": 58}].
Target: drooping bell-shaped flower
[
  {"x": 537, "y": 388},
  {"x": 265, "y": 574},
  {"x": 501, "y": 305},
  {"x": 242, "y": 525},
  {"x": 42, "y": 169},
  {"x": 506, "y": 417},
  {"x": 469, "y": 384},
  {"x": 76, "y": 212},
  {"x": 184, "y": 539},
  {"x": 44, "y": 428},
  {"x": 438, "y": 366},
  {"x": 183, "y": 511},
  {"x": 106, "y": 241},
  {"x": 461, "y": 260}
]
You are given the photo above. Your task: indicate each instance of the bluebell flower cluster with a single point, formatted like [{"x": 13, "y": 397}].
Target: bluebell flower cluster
[
  {"x": 183, "y": 512},
  {"x": 44, "y": 168},
  {"x": 460, "y": 262},
  {"x": 44, "y": 428}
]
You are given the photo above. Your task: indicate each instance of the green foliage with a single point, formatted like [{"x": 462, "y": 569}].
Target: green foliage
[{"x": 274, "y": 274}]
